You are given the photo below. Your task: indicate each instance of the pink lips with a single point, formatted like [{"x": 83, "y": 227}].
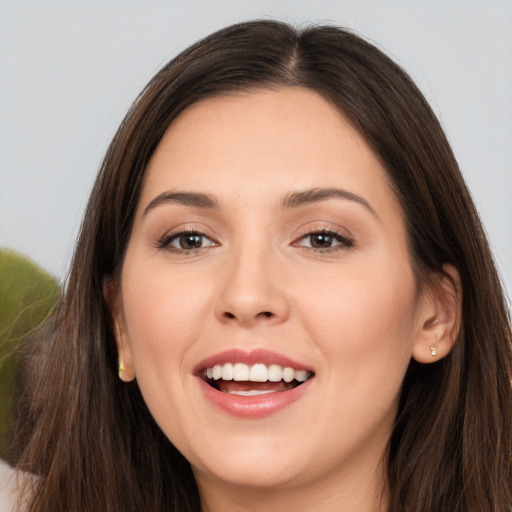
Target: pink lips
[{"x": 251, "y": 407}]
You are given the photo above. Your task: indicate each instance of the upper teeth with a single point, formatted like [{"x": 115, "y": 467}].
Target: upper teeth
[{"x": 256, "y": 373}]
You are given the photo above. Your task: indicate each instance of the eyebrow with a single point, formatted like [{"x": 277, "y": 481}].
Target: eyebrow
[
  {"x": 291, "y": 200},
  {"x": 194, "y": 199},
  {"x": 315, "y": 195}
]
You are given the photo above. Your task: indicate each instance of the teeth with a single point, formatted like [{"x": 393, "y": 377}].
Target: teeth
[
  {"x": 227, "y": 372},
  {"x": 275, "y": 373},
  {"x": 256, "y": 373},
  {"x": 252, "y": 392},
  {"x": 217, "y": 372},
  {"x": 301, "y": 375},
  {"x": 288, "y": 374},
  {"x": 241, "y": 372}
]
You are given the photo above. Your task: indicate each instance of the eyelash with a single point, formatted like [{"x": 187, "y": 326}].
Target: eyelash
[{"x": 332, "y": 236}]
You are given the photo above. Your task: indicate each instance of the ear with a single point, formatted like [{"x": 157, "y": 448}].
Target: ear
[
  {"x": 439, "y": 317},
  {"x": 117, "y": 324}
]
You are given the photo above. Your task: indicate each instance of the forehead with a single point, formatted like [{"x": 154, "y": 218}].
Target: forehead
[{"x": 263, "y": 143}]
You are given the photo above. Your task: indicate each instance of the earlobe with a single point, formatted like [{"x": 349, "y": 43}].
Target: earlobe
[
  {"x": 125, "y": 367},
  {"x": 440, "y": 315}
]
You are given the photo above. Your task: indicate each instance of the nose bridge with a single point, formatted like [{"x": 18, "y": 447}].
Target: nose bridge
[{"x": 250, "y": 291}]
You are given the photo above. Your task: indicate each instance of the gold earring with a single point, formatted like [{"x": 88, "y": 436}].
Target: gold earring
[
  {"x": 433, "y": 351},
  {"x": 121, "y": 368}
]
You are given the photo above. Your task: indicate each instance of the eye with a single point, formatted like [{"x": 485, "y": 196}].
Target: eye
[
  {"x": 324, "y": 240},
  {"x": 186, "y": 241}
]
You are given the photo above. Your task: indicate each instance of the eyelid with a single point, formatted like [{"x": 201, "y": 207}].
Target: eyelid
[{"x": 317, "y": 226}]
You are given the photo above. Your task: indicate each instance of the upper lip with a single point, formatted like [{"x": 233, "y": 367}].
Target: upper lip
[{"x": 250, "y": 357}]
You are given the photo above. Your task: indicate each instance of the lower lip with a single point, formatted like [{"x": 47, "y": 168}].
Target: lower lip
[{"x": 253, "y": 407}]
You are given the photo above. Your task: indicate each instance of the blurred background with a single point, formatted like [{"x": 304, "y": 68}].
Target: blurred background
[{"x": 69, "y": 70}]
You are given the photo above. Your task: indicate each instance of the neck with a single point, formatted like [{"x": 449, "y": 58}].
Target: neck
[{"x": 358, "y": 490}]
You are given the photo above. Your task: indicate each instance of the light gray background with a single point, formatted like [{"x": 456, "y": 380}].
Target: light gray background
[{"x": 70, "y": 69}]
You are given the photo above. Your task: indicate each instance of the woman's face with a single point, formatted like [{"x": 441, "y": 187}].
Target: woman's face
[{"x": 269, "y": 250}]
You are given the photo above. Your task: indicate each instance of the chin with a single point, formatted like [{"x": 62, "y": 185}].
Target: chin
[
  {"x": 257, "y": 459},
  {"x": 245, "y": 473}
]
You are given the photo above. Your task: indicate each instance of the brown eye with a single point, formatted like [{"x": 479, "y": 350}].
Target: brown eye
[
  {"x": 324, "y": 241},
  {"x": 186, "y": 241},
  {"x": 321, "y": 240},
  {"x": 189, "y": 241}
]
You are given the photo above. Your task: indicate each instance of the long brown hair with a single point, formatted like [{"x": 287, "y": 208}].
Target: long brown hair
[{"x": 93, "y": 443}]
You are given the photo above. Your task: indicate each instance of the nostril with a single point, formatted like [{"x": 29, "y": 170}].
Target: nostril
[{"x": 266, "y": 314}]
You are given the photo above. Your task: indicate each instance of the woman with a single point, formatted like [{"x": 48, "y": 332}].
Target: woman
[{"x": 281, "y": 299}]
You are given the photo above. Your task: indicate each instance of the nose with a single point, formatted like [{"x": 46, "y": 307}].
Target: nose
[{"x": 251, "y": 290}]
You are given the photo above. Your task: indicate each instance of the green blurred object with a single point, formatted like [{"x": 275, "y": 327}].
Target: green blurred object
[{"x": 27, "y": 296}]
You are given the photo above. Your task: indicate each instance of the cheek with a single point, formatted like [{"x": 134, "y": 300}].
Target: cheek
[
  {"x": 362, "y": 325},
  {"x": 163, "y": 312},
  {"x": 363, "y": 321}
]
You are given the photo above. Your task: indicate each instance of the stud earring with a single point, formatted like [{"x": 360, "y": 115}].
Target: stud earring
[
  {"x": 121, "y": 368},
  {"x": 433, "y": 351},
  {"x": 125, "y": 374}
]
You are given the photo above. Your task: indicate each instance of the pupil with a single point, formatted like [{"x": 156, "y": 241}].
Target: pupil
[
  {"x": 321, "y": 240},
  {"x": 190, "y": 241}
]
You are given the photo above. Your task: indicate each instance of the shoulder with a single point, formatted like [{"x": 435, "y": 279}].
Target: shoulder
[{"x": 8, "y": 485}]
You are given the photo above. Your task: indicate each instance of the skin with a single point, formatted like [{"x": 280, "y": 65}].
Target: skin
[{"x": 351, "y": 311}]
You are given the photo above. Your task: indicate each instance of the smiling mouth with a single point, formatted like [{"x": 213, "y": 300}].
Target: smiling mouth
[{"x": 253, "y": 380}]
